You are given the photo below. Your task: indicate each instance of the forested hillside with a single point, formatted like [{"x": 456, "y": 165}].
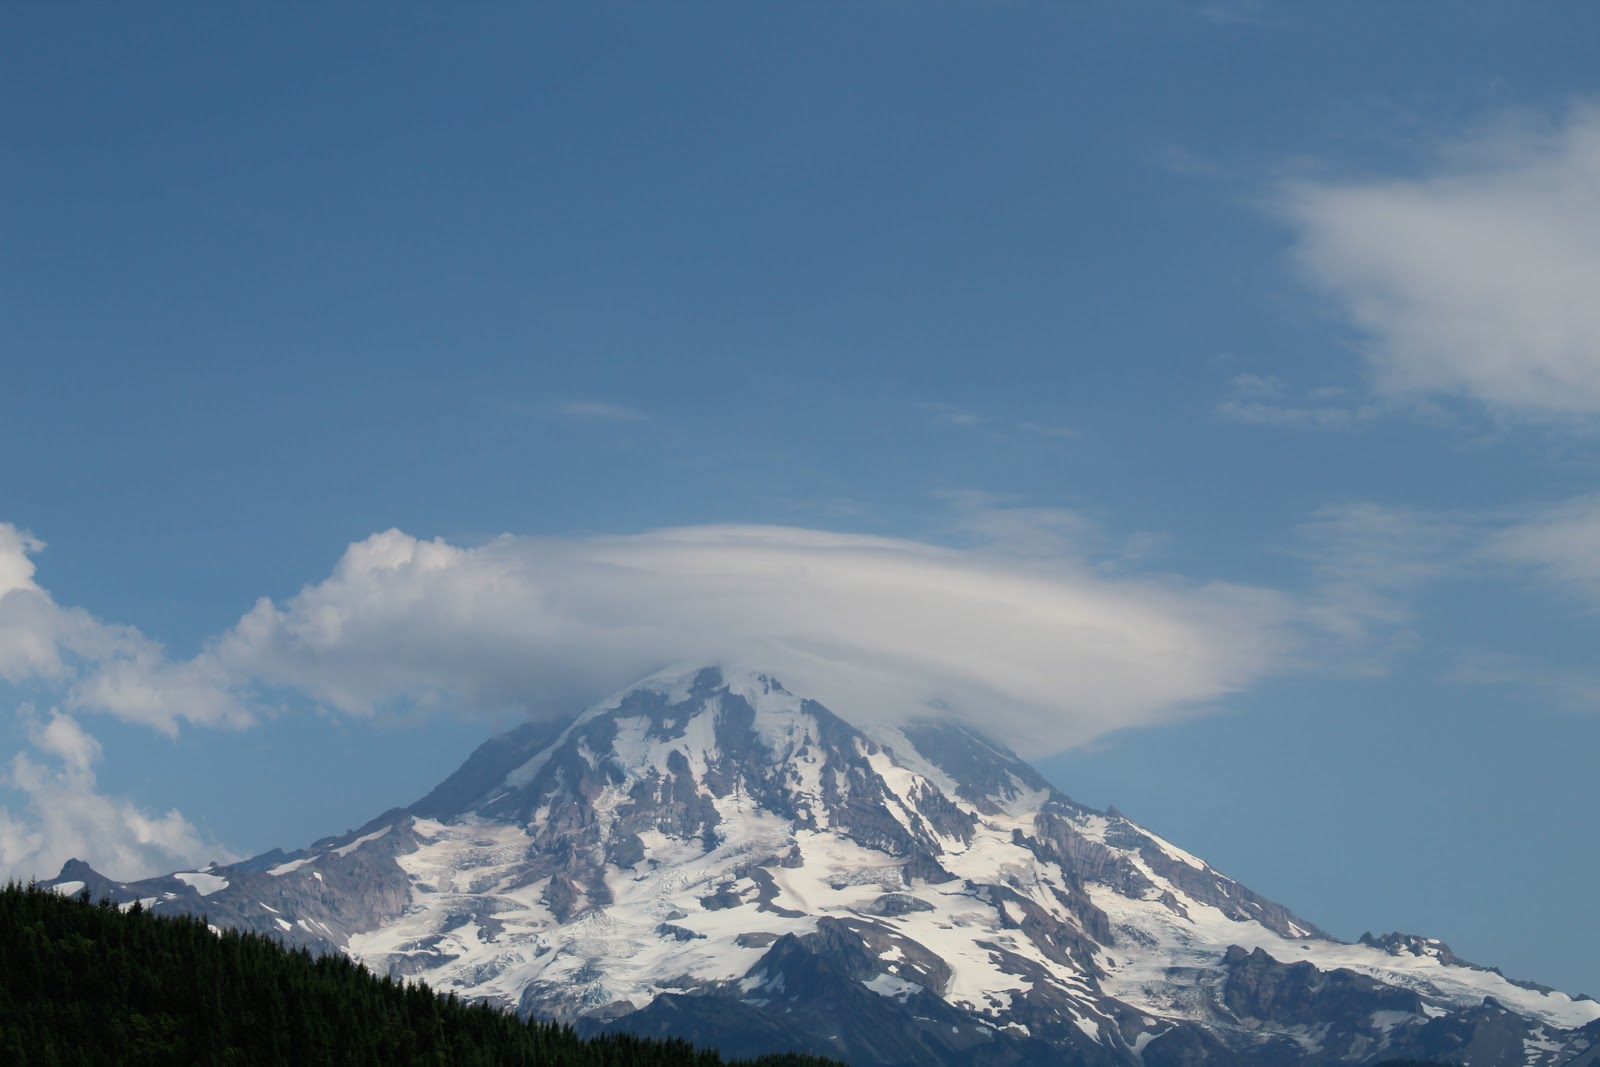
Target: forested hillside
[{"x": 82, "y": 982}]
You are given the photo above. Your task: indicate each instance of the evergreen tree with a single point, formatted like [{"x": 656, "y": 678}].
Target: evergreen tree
[{"x": 82, "y": 982}]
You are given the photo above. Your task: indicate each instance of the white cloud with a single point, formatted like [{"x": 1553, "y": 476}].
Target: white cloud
[
  {"x": 1021, "y": 633},
  {"x": 64, "y": 739},
  {"x": 16, "y": 569},
  {"x": 1021, "y": 622},
  {"x": 64, "y": 816},
  {"x": 35, "y": 634},
  {"x": 1477, "y": 279},
  {"x": 1044, "y": 628},
  {"x": 1561, "y": 542},
  {"x": 1045, "y": 652},
  {"x": 106, "y": 667},
  {"x": 142, "y": 686}
]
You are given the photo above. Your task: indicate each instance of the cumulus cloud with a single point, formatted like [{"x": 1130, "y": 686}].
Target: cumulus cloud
[
  {"x": 64, "y": 815},
  {"x": 1044, "y": 651},
  {"x": 1476, "y": 279},
  {"x": 105, "y": 667},
  {"x": 36, "y": 636}
]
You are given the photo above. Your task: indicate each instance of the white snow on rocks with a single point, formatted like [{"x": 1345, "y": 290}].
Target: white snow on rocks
[
  {"x": 203, "y": 882},
  {"x": 477, "y": 924},
  {"x": 345, "y": 850}
]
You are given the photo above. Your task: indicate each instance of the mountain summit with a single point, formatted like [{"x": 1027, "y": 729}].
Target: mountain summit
[{"x": 711, "y": 856}]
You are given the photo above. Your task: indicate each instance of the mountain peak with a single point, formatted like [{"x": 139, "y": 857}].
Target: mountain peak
[
  {"x": 709, "y": 854},
  {"x": 684, "y": 680},
  {"x": 77, "y": 869}
]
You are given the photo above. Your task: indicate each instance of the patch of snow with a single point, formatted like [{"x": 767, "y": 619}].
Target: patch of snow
[
  {"x": 674, "y": 683},
  {"x": 887, "y": 985},
  {"x": 477, "y": 924},
  {"x": 201, "y": 882},
  {"x": 1160, "y": 939},
  {"x": 761, "y": 981},
  {"x": 68, "y": 889},
  {"x": 1385, "y": 1021},
  {"x": 1539, "y": 1041},
  {"x": 345, "y": 850},
  {"x": 1177, "y": 853},
  {"x": 293, "y": 865},
  {"x": 907, "y": 756}
]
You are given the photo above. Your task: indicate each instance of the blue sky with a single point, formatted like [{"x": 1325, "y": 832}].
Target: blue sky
[{"x": 1203, "y": 395}]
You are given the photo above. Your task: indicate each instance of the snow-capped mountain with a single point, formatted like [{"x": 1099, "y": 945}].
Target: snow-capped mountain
[{"x": 709, "y": 855}]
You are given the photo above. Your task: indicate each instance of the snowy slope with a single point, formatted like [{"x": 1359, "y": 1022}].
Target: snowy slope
[{"x": 709, "y": 854}]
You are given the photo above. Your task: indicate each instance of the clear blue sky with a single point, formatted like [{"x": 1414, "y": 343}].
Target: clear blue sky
[{"x": 1255, "y": 343}]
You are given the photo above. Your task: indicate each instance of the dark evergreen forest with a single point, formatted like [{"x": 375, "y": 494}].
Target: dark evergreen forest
[{"x": 82, "y": 982}]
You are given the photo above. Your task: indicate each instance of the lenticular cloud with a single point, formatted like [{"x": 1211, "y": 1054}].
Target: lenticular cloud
[{"x": 1040, "y": 652}]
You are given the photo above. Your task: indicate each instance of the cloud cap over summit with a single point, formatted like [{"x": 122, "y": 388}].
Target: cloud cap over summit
[{"x": 1048, "y": 653}]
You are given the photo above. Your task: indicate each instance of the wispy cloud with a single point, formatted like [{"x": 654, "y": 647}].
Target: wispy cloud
[
  {"x": 1001, "y": 525},
  {"x": 950, "y": 414},
  {"x": 1235, "y": 13},
  {"x": 1367, "y": 560},
  {"x": 1560, "y": 543},
  {"x": 1476, "y": 278},
  {"x": 1256, "y": 400},
  {"x": 588, "y": 409},
  {"x": 1050, "y": 429},
  {"x": 1179, "y": 159},
  {"x": 1574, "y": 688}
]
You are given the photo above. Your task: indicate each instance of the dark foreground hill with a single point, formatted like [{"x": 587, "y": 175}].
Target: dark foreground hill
[{"x": 92, "y": 983}]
